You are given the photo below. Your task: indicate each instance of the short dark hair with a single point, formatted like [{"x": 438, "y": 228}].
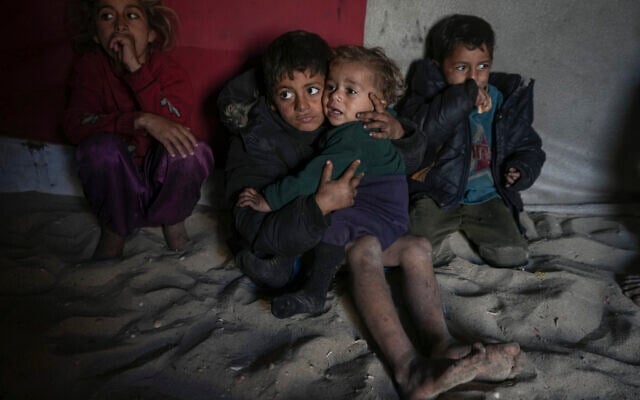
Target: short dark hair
[
  {"x": 294, "y": 51},
  {"x": 387, "y": 75},
  {"x": 471, "y": 31}
]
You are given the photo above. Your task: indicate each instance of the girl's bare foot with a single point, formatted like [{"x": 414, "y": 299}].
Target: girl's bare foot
[
  {"x": 109, "y": 246},
  {"x": 176, "y": 236}
]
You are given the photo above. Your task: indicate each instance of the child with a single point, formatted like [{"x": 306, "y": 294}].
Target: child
[
  {"x": 482, "y": 148},
  {"x": 380, "y": 207},
  {"x": 129, "y": 113}
]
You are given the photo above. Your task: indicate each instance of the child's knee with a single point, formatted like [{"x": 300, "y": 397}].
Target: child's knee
[
  {"x": 199, "y": 164},
  {"x": 504, "y": 256},
  {"x": 364, "y": 249}
]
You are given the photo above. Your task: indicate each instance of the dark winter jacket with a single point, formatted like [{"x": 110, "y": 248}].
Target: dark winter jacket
[
  {"x": 264, "y": 149},
  {"x": 442, "y": 111}
]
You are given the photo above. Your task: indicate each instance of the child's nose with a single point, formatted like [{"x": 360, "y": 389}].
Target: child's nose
[
  {"x": 301, "y": 104},
  {"x": 121, "y": 24}
]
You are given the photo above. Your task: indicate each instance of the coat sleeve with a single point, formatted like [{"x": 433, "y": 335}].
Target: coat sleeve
[
  {"x": 412, "y": 146},
  {"x": 293, "y": 229},
  {"x": 435, "y": 107},
  {"x": 528, "y": 157}
]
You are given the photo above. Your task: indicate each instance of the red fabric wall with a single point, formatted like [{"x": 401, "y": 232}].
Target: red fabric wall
[{"x": 217, "y": 40}]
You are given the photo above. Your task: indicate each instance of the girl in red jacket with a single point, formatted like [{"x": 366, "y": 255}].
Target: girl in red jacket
[{"x": 129, "y": 113}]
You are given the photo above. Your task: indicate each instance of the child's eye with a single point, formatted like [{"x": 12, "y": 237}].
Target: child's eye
[
  {"x": 330, "y": 88},
  {"x": 105, "y": 16},
  {"x": 132, "y": 15},
  {"x": 313, "y": 90},
  {"x": 484, "y": 66},
  {"x": 352, "y": 91},
  {"x": 285, "y": 95},
  {"x": 460, "y": 68}
]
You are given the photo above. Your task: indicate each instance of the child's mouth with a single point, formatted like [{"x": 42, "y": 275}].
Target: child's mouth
[{"x": 335, "y": 112}]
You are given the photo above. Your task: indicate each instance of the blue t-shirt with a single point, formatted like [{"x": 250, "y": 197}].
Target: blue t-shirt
[{"x": 480, "y": 186}]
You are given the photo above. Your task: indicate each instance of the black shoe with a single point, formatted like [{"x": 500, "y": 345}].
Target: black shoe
[{"x": 274, "y": 272}]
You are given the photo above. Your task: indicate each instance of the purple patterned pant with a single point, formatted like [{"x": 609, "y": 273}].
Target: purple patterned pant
[{"x": 162, "y": 191}]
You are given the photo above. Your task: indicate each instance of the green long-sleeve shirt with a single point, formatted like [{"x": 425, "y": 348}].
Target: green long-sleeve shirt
[{"x": 344, "y": 144}]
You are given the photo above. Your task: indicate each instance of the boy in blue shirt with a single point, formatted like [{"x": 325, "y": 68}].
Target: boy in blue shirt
[{"x": 482, "y": 149}]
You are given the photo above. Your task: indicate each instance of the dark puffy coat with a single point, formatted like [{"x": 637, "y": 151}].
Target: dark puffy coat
[
  {"x": 442, "y": 111},
  {"x": 263, "y": 149}
]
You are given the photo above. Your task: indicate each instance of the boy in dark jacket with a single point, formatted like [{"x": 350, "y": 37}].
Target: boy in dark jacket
[{"x": 482, "y": 149}]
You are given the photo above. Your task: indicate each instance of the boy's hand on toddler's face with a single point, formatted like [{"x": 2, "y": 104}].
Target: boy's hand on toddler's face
[
  {"x": 380, "y": 121},
  {"x": 176, "y": 138},
  {"x": 512, "y": 176},
  {"x": 250, "y": 197}
]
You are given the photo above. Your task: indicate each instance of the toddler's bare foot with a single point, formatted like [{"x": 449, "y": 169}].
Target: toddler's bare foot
[
  {"x": 450, "y": 349},
  {"x": 176, "y": 236},
  {"x": 427, "y": 378},
  {"x": 109, "y": 246},
  {"x": 503, "y": 361}
]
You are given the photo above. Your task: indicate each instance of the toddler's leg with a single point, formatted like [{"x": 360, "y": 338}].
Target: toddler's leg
[{"x": 313, "y": 294}]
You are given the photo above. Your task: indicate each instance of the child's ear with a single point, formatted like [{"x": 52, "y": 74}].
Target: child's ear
[{"x": 152, "y": 36}]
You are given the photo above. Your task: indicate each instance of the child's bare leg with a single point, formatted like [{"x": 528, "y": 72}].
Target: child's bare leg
[
  {"x": 110, "y": 245},
  {"x": 176, "y": 236},
  {"x": 373, "y": 300},
  {"x": 413, "y": 254},
  {"x": 417, "y": 377}
]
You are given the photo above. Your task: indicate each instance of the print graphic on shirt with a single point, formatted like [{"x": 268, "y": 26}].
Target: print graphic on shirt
[
  {"x": 90, "y": 119},
  {"x": 164, "y": 102},
  {"x": 480, "y": 154}
]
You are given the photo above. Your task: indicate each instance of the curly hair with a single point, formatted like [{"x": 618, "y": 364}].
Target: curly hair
[
  {"x": 83, "y": 18},
  {"x": 387, "y": 75}
]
